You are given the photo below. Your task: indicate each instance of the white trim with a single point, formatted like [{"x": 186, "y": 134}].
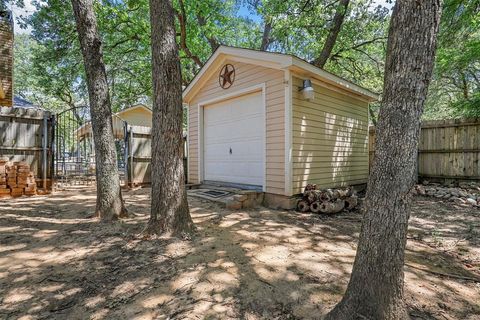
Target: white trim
[
  {"x": 187, "y": 152},
  {"x": 288, "y": 133},
  {"x": 200, "y": 142},
  {"x": 259, "y": 87},
  {"x": 201, "y": 78},
  {"x": 234, "y": 94},
  {"x": 264, "y": 98}
]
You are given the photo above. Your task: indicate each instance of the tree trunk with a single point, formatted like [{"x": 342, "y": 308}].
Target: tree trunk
[
  {"x": 375, "y": 290},
  {"x": 464, "y": 86},
  {"x": 267, "y": 29},
  {"x": 170, "y": 213},
  {"x": 110, "y": 204},
  {"x": 333, "y": 34}
]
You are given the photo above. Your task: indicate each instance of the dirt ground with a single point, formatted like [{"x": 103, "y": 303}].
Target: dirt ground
[{"x": 57, "y": 262}]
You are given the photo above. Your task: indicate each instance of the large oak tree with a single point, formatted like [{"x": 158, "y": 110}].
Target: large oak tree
[
  {"x": 110, "y": 204},
  {"x": 169, "y": 213},
  {"x": 375, "y": 290}
]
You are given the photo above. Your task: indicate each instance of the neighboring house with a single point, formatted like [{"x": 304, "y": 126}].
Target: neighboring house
[
  {"x": 19, "y": 102},
  {"x": 275, "y": 122},
  {"x": 138, "y": 151},
  {"x": 138, "y": 115}
]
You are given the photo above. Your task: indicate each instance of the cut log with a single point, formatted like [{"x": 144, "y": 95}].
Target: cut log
[
  {"x": 351, "y": 202},
  {"x": 332, "y": 207},
  {"x": 310, "y": 187},
  {"x": 315, "y": 206},
  {"x": 303, "y": 206},
  {"x": 312, "y": 196},
  {"x": 325, "y": 196}
]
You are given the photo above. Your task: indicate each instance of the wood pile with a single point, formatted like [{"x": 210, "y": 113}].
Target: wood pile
[
  {"x": 16, "y": 179},
  {"x": 328, "y": 200}
]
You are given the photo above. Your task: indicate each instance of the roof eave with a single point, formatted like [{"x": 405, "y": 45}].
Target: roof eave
[
  {"x": 279, "y": 61},
  {"x": 335, "y": 80}
]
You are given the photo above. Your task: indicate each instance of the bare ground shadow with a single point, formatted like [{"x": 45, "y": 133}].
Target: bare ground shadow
[{"x": 57, "y": 262}]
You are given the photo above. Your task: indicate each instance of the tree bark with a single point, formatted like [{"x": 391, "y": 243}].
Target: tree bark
[
  {"x": 109, "y": 204},
  {"x": 375, "y": 290},
  {"x": 338, "y": 19},
  {"x": 464, "y": 86},
  {"x": 170, "y": 213},
  {"x": 267, "y": 29}
]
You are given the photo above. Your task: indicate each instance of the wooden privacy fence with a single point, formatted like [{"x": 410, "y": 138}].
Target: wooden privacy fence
[
  {"x": 27, "y": 134},
  {"x": 138, "y": 155},
  {"x": 448, "y": 149}
]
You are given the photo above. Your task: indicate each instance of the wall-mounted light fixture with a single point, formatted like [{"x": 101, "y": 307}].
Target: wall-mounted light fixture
[{"x": 307, "y": 90}]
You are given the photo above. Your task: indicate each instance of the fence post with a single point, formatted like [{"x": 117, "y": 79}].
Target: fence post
[
  {"x": 130, "y": 149},
  {"x": 125, "y": 151},
  {"x": 52, "y": 150},
  {"x": 44, "y": 151}
]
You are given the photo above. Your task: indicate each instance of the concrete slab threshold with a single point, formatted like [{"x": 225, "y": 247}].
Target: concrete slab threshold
[{"x": 229, "y": 197}]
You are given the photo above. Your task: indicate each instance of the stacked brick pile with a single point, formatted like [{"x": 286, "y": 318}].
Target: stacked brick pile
[
  {"x": 11, "y": 169},
  {"x": 26, "y": 179},
  {"x": 4, "y": 190},
  {"x": 17, "y": 179}
]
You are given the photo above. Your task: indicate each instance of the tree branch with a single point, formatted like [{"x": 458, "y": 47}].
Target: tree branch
[
  {"x": 358, "y": 45},
  {"x": 182, "y": 19},
  {"x": 338, "y": 19},
  {"x": 202, "y": 21},
  {"x": 266, "y": 40}
]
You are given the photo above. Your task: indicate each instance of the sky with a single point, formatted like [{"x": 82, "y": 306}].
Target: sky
[
  {"x": 17, "y": 12},
  {"x": 29, "y": 9}
]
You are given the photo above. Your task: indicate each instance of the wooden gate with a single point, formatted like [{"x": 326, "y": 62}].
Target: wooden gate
[{"x": 138, "y": 142}]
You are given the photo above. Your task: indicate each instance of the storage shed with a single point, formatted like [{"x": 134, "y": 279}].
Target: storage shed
[{"x": 276, "y": 123}]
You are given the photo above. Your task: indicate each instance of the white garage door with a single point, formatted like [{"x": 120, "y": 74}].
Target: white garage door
[{"x": 233, "y": 140}]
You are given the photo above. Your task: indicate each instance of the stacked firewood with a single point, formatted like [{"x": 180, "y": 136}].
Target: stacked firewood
[
  {"x": 16, "y": 179},
  {"x": 328, "y": 200}
]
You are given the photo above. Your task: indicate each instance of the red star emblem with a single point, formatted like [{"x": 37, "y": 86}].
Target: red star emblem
[{"x": 227, "y": 76}]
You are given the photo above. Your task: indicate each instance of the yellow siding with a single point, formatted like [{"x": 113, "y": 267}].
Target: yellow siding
[
  {"x": 137, "y": 117},
  {"x": 329, "y": 139},
  {"x": 247, "y": 75}
]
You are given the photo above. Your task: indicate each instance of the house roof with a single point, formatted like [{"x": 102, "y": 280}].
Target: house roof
[
  {"x": 19, "y": 102},
  {"x": 137, "y": 106},
  {"x": 118, "y": 121},
  {"x": 276, "y": 61}
]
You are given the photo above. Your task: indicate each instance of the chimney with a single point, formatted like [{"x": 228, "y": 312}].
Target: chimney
[{"x": 6, "y": 58}]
